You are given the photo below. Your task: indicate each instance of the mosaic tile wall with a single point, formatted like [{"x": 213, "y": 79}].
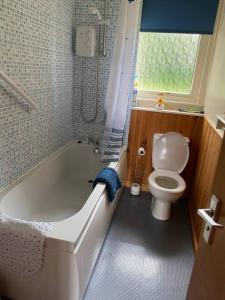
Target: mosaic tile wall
[
  {"x": 81, "y": 129},
  {"x": 36, "y": 50}
]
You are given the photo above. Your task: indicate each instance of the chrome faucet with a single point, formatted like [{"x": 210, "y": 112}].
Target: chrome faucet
[
  {"x": 95, "y": 141},
  {"x": 90, "y": 140},
  {"x": 96, "y": 147}
]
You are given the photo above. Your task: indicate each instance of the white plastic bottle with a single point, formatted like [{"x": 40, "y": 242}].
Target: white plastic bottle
[{"x": 134, "y": 101}]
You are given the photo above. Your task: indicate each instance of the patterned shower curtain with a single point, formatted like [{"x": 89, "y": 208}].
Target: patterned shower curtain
[{"x": 120, "y": 78}]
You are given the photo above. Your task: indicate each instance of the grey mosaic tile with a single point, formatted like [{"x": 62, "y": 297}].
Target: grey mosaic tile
[{"x": 36, "y": 51}]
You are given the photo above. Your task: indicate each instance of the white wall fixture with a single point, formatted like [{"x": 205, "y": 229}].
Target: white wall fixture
[
  {"x": 141, "y": 151},
  {"x": 85, "y": 41},
  {"x": 12, "y": 84}
]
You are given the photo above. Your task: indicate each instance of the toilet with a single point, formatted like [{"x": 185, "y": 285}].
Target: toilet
[{"x": 170, "y": 155}]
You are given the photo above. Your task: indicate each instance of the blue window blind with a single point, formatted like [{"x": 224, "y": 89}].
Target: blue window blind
[{"x": 179, "y": 16}]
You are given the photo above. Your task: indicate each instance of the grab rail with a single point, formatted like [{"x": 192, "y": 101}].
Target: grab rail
[{"x": 11, "y": 83}]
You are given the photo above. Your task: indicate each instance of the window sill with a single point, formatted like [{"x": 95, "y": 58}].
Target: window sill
[
  {"x": 169, "y": 97},
  {"x": 168, "y": 111},
  {"x": 170, "y": 105}
]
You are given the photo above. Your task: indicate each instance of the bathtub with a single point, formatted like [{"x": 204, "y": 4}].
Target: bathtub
[{"x": 60, "y": 190}]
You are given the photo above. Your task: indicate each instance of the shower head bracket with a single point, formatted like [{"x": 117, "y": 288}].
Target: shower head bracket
[{"x": 95, "y": 11}]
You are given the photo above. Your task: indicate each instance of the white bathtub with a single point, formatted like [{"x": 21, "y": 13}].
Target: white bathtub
[{"x": 59, "y": 190}]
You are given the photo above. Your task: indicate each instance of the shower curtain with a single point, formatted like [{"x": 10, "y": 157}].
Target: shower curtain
[{"x": 120, "y": 79}]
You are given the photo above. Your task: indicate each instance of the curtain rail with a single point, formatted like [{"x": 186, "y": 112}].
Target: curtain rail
[{"x": 11, "y": 83}]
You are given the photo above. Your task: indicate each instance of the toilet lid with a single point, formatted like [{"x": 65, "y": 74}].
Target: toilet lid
[{"x": 171, "y": 152}]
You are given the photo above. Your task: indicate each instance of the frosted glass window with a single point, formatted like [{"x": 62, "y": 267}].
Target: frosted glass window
[{"x": 166, "y": 61}]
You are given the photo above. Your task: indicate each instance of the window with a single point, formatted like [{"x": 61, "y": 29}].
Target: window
[{"x": 173, "y": 64}]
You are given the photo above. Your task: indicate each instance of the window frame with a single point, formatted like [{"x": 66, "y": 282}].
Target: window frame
[{"x": 199, "y": 82}]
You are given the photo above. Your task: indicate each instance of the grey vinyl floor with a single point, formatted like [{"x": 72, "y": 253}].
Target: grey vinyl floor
[{"x": 143, "y": 258}]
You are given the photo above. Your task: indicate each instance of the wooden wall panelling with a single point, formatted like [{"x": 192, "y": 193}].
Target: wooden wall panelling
[{"x": 201, "y": 187}]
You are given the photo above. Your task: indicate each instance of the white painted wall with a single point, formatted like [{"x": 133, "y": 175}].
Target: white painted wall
[{"x": 215, "y": 93}]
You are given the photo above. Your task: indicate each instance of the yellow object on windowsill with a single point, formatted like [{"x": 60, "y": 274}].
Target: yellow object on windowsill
[{"x": 160, "y": 103}]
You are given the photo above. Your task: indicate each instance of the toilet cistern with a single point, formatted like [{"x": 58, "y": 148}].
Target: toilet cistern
[{"x": 170, "y": 155}]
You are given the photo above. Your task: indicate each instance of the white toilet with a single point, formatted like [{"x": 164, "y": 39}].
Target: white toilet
[{"x": 170, "y": 155}]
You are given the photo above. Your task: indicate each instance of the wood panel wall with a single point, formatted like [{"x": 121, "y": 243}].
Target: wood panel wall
[
  {"x": 205, "y": 144},
  {"x": 209, "y": 148}
]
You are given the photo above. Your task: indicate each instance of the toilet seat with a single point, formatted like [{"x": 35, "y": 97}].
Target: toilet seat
[
  {"x": 170, "y": 152},
  {"x": 171, "y": 175}
]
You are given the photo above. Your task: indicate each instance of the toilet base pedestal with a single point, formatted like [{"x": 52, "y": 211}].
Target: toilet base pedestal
[{"x": 160, "y": 209}]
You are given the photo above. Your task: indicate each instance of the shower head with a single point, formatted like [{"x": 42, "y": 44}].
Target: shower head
[{"x": 94, "y": 11}]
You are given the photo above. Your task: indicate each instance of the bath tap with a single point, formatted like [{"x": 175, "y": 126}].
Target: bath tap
[
  {"x": 90, "y": 140},
  {"x": 95, "y": 141},
  {"x": 96, "y": 148}
]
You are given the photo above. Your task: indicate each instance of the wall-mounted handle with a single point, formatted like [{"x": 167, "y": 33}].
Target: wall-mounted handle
[
  {"x": 207, "y": 214},
  {"x": 11, "y": 83}
]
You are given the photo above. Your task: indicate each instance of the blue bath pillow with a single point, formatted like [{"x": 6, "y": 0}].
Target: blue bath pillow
[{"x": 111, "y": 178}]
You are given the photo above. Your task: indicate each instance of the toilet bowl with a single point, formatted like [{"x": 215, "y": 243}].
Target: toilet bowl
[{"x": 169, "y": 157}]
